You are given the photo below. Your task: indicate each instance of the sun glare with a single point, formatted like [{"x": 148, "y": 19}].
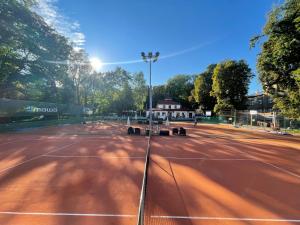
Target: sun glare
[{"x": 96, "y": 63}]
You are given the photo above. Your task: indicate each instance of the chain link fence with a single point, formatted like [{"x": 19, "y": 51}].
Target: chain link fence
[{"x": 261, "y": 120}]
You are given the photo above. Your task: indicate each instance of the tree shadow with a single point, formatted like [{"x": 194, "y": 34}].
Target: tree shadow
[
  {"x": 266, "y": 191},
  {"x": 108, "y": 182}
]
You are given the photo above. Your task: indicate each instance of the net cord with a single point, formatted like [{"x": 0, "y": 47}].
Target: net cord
[{"x": 140, "y": 220}]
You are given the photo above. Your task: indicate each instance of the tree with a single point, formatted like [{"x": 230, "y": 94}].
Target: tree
[
  {"x": 139, "y": 91},
  {"x": 110, "y": 92},
  {"x": 203, "y": 87},
  {"x": 158, "y": 93},
  {"x": 79, "y": 70},
  {"x": 231, "y": 80},
  {"x": 123, "y": 100},
  {"x": 27, "y": 46},
  {"x": 278, "y": 63},
  {"x": 179, "y": 88}
]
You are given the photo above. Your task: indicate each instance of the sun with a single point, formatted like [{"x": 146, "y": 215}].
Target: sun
[{"x": 96, "y": 63}]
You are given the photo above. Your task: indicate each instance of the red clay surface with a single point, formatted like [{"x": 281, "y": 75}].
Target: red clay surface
[
  {"x": 50, "y": 178},
  {"x": 215, "y": 175},
  {"x": 223, "y": 175}
]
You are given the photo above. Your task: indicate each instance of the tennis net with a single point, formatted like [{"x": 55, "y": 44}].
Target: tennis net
[{"x": 141, "y": 211}]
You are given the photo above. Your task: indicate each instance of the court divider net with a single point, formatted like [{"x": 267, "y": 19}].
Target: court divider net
[{"x": 141, "y": 210}]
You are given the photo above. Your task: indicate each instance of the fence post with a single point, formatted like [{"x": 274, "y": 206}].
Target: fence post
[
  {"x": 234, "y": 122},
  {"x": 247, "y": 119}
]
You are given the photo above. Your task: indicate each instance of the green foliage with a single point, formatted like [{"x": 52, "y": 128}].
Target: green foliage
[
  {"x": 230, "y": 84},
  {"x": 279, "y": 62},
  {"x": 158, "y": 93},
  {"x": 203, "y": 87},
  {"x": 27, "y": 45},
  {"x": 79, "y": 70},
  {"x": 179, "y": 88},
  {"x": 123, "y": 100},
  {"x": 139, "y": 91},
  {"x": 114, "y": 91},
  {"x": 37, "y": 63}
]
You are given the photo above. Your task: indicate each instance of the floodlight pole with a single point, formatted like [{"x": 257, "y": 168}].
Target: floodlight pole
[
  {"x": 150, "y": 58},
  {"x": 150, "y": 95}
]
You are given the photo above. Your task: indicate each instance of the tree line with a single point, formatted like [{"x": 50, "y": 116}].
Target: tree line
[
  {"x": 278, "y": 63},
  {"x": 220, "y": 87},
  {"x": 38, "y": 63},
  {"x": 224, "y": 86}
]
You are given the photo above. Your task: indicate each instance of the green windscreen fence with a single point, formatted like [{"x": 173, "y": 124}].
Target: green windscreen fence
[{"x": 18, "y": 114}]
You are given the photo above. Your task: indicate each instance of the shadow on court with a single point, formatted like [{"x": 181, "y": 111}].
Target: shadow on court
[{"x": 80, "y": 180}]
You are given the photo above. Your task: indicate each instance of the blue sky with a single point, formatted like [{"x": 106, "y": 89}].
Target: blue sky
[{"x": 117, "y": 30}]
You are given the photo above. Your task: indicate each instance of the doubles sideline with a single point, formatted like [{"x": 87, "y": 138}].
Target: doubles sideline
[{"x": 153, "y": 216}]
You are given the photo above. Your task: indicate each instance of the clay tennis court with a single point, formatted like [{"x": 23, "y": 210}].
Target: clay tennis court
[{"x": 92, "y": 174}]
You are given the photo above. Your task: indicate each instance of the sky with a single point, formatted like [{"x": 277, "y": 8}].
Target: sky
[{"x": 189, "y": 34}]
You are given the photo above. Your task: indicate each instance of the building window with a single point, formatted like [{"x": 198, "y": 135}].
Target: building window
[
  {"x": 178, "y": 106},
  {"x": 169, "y": 106}
]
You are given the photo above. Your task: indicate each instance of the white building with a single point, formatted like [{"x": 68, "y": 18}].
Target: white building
[{"x": 168, "y": 107}]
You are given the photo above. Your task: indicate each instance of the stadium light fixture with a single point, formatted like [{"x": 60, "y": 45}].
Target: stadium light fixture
[
  {"x": 144, "y": 56},
  {"x": 156, "y": 57}
]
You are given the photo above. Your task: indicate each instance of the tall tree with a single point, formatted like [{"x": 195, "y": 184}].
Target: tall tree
[
  {"x": 203, "y": 87},
  {"x": 79, "y": 70},
  {"x": 179, "y": 88},
  {"x": 158, "y": 93},
  {"x": 110, "y": 92},
  {"x": 139, "y": 89},
  {"x": 231, "y": 80},
  {"x": 123, "y": 100},
  {"x": 279, "y": 61},
  {"x": 27, "y": 46}
]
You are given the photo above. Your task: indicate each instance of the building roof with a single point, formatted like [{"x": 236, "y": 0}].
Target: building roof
[{"x": 168, "y": 101}]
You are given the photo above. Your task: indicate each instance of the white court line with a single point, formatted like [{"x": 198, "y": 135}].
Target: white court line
[
  {"x": 115, "y": 137},
  {"x": 36, "y": 157},
  {"x": 67, "y": 214},
  {"x": 209, "y": 159},
  {"x": 15, "y": 141},
  {"x": 95, "y": 156},
  {"x": 283, "y": 170},
  {"x": 226, "y": 218},
  {"x": 33, "y": 139},
  {"x": 270, "y": 164}
]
